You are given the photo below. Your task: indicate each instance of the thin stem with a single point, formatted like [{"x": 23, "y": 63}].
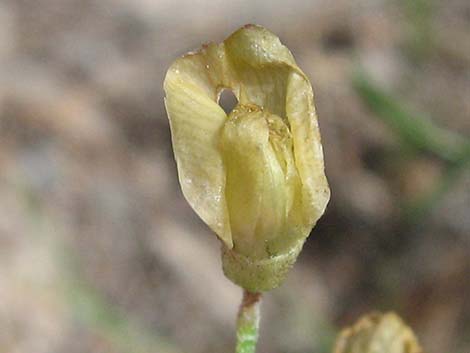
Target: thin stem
[{"x": 248, "y": 322}]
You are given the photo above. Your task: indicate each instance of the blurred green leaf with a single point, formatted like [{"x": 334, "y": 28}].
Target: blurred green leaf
[
  {"x": 93, "y": 311},
  {"x": 421, "y": 134},
  {"x": 415, "y": 130}
]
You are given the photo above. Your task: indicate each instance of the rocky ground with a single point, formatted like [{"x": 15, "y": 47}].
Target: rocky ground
[{"x": 99, "y": 252}]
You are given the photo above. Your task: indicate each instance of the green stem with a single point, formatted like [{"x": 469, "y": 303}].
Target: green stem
[{"x": 248, "y": 322}]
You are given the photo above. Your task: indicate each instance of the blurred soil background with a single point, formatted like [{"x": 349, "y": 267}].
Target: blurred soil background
[{"x": 99, "y": 252}]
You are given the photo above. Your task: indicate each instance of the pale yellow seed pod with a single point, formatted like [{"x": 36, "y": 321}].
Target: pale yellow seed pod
[
  {"x": 378, "y": 333},
  {"x": 255, "y": 176}
]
